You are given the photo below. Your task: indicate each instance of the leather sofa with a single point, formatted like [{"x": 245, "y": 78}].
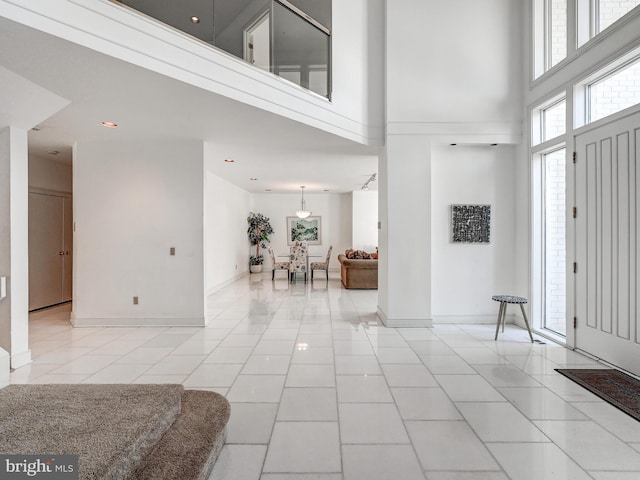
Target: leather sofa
[{"x": 358, "y": 273}]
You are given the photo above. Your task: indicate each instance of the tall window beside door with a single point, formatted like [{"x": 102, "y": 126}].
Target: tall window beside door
[
  {"x": 549, "y": 126},
  {"x": 555, "y": 241}
]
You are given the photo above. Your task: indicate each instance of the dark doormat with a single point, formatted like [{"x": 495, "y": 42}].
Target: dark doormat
[{"x": 617, "y": 388}]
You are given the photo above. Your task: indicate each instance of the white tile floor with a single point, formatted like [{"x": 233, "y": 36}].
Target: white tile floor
[{"x": 321, "y": 391}]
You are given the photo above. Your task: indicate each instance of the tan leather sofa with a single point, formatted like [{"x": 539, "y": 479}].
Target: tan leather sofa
[{"x": 358, "y": 273}]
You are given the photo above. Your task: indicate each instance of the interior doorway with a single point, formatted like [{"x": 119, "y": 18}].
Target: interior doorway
[
  {"x": 50, "y": 249},
  {"x": 257, "y": 42}
]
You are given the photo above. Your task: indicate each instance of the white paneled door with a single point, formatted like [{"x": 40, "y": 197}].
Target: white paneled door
[
  {"x": 50, "y": 248},
  {"x": 607, "y": 261}
]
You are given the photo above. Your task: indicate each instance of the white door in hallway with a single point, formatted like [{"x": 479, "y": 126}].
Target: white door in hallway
[
  {"x": 50, "y": 248},
  {"x": 607, "y": 283}
]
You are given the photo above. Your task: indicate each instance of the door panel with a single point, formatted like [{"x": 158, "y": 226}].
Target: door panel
[
  {"x": 607, "y": 196},
  {"x": 45, "y": 245},
  {"x": 67, "y": 266}
]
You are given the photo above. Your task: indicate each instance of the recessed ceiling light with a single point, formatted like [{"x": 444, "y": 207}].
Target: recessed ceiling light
[
  {"x": 109, "y": 124},
  {"x": 195, "y": 20},
  {"x": 453, "y": 144},
  {"x": 253, "y": 178},
  {"x": 494, "y": 144},
  {"x": 267, "y": 189},
  {"x": 228, "y": 160},
  {"x": 53, "y": 152},
  {"x": 327, "y": 190},
  {"x": 36, "y": 129}
]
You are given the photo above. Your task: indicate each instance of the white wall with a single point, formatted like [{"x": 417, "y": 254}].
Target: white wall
[
  {"x": 466, "y": 275},
  {"x": 14, "y": 240},
  {"x": 455, "y": 70},
  {"x": 49, "y": 174},
  {"x": 225, "y": 218},
  {"x": 357, "y": 56},
  {"x": 133, "y": 200},
  {"x": 365, "y": 221},
  {"x": 453, "y": 75},
  {"x": 335, "y": 210}
]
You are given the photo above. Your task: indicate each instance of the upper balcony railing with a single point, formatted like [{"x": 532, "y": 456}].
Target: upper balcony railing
[{"x": 274, "y": 35}]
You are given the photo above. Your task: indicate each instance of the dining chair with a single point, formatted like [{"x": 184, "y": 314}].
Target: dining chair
[
  {"x": 322, "y": 265},
  {"x": 298, "y": 261},
  {"x": 276, "y": 265}
]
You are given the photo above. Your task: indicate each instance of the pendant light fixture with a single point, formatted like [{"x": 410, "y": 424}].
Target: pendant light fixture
[{"x": 303, "y": 212}]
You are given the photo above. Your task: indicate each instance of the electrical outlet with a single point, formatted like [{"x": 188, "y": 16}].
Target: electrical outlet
[{"x": 135, "y": 300}]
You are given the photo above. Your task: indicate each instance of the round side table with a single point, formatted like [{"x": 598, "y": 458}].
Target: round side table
[{"x": 504, "y": 300}]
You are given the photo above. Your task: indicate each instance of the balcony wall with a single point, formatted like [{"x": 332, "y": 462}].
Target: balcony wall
[{"x": 355, "y": 112}]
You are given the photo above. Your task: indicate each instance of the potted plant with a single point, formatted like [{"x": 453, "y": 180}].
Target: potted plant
[{"x": 258, "y": 232}]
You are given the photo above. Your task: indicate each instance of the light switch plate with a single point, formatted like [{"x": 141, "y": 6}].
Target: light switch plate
[
  {"x": 3, "y": 287},
  {"x": 172, "y": 251}
]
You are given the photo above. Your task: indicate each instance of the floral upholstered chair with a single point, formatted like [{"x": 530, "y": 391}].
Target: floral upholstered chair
[
  {"x": 322, "y": 265},
  {"x": 298, "y": 261},
  {"x": 276, "y": 265}
]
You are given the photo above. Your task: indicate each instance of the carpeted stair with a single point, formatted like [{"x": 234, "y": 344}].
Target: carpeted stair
[{"x": 119, "y": 431}]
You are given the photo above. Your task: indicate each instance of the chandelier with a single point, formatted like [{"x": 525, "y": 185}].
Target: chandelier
[{"x": 303, "y": 212}]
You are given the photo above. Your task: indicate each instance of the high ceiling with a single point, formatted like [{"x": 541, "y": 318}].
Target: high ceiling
[{"x": 280, "y": 153}]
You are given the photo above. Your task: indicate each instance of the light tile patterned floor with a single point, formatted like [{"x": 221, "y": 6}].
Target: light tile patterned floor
[{"x": 321, "y": 391}]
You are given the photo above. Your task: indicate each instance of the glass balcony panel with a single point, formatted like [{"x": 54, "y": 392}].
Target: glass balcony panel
[
  {"x": 265, "y": 33},
  {"x": 194, "y": 17},
  {"x": 233, "y": 22},
  {"x": 297, "y": 45}
]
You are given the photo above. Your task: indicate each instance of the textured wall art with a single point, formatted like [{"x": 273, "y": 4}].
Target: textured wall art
[{"x": 471, "y": 223}]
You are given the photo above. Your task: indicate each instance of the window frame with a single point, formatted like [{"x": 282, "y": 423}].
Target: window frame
[
  {"x": 538, "y": 121},
  {"x": 582, "y": 33},
  {"x": 581, "y": 89}
]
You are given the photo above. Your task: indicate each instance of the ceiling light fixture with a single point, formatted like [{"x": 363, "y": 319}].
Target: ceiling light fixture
[
  {"x": 109, "y": 124},
  {"x": 303, "y": 212},
  {"x": 253, "y": 178},
  {"x": 53, "y": 152},
  {"x": 195, "y": 20},
  {"x": 365, "y": 186},
  {"x": 228, "y": 160}
]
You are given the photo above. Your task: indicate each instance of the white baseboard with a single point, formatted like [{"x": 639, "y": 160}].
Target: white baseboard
[
  {"x": 402, "y": 322},
  {"x": 471, "y": 319},
  {"x": 20, "y": 359},
  {"x": 220, "y": 286},
  {"x": 138, "y": 322}
]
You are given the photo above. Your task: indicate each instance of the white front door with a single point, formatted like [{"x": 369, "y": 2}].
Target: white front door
[{"x": 607, "y": 242}]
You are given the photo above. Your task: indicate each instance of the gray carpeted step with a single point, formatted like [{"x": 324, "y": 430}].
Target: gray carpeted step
[
  {"x": 133, "y": 432},
  {"x": 111, "y": 427},
  {"x": 190, "y": 447}
]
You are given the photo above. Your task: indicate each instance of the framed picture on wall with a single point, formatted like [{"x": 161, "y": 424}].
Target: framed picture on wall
[
  {"x": 471, "y": 223},
  {"x": 304, "y": 230}
]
